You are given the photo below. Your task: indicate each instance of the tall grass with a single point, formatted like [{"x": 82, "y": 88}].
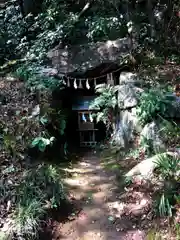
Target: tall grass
[
  {"x": 169, "y": 168},
  {"x": 40, "y": 190}
]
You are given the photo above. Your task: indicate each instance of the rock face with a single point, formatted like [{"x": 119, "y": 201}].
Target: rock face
[
  {"x": 128, "y": 78},
  {"x": 151, "y": 134},
  {"x": 125, "y": 128},
  {"x": 84, "y": 57},
  {"x": 126, "y": 96},
  {"x": 128, "y": 89},
  {"x": 127, "y": 102}
]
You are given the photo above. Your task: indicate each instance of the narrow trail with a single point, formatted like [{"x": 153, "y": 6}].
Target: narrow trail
[{"x": 100, "y": 217}]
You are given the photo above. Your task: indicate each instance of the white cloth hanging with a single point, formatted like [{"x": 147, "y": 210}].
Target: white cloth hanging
[
  {"x": 90, "y": 117},
  {"x": 87, "y": 84},
  {"x": 84, "y": 118},
  {"x": 75, "y": 84}
]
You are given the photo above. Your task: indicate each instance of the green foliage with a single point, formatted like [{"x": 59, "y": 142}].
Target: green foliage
[
  {"x": 28, "y": 218},
  {"x": 105, "y": 102},
  {"x": 43, "y": 182},
  {"x": 165, "y": 207},
  {"x": 169, "y": 168},
  {"x": 9, "y": 142},
  {"x": 32, "y": 193},
  {"x": 58, "y": 120},
  {"x": 170, "y": 132},
  {"x": 31, "y": 74},
  {"x": 148, "y": 145},
  {"x": 153, "y": 104},
  {"x": 31, "y": 36},
  {"x": 133, "y": 153},
  {"x": 12, "y": 28},
  {"x": 42, "y": 143},
  {"x": 17, "y": 137},
  {"x": 27, "y": 131},
  {"x": 106, "y": 27},
  {"x": 154, "y": 235},
  {"x": 39, "y": 190},
  {"x": 28, "y": 36}
]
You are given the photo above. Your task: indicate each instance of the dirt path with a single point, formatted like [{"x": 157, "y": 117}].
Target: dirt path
[{"x": 101, "y": 215}]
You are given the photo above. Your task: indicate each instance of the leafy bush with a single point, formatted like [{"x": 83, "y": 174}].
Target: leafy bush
[
  {"x": 170, "y": 132},
  {"x": 42, "y": 143},
  {"x": 153, "y": 104},
  {"x": 106, "y": 103},
  {"x": 43, "y": 182},
  {"x": 169, "y": 167},
  {"x": 28, "y": 36},
  {"x": 31, "y": 74},
  {"x": 28, "y": 127},
  {"x": 58, "y": 120},
  {"x": 29, "y": 192},
  {"x": 12, "y": 29},
  {"x": 18, "y": 134},
  {"x": 147, "y": 145}
]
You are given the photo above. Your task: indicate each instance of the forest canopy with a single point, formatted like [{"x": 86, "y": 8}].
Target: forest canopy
[{"x": 28, "y": 29}]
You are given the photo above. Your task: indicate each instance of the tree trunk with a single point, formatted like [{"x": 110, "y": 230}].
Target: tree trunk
[
  {"x": 167, "y": 20},
  {"x": 151, "y": 18},
  {"x": 21, "y": 5}
]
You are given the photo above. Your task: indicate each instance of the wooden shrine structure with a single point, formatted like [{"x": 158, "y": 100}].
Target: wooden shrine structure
[{"x": 86, "y": 122}]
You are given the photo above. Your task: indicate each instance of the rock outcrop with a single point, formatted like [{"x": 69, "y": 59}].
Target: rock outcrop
[
  {"x": 127, "y": 101},
  {"x": 151, "y": 134},
  {"x": 88, "y": 56}
]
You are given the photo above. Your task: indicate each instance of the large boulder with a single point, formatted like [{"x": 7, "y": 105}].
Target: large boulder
[
  {"x": 146, "y": 167},
  {"x": 88, "y": 56}
]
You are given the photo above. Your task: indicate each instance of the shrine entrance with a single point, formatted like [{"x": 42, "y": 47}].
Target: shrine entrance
[
  {"x": 87, "y": 126},
  {"x": 79, "y": 92},
  {"x": 82, "y": 128}
]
